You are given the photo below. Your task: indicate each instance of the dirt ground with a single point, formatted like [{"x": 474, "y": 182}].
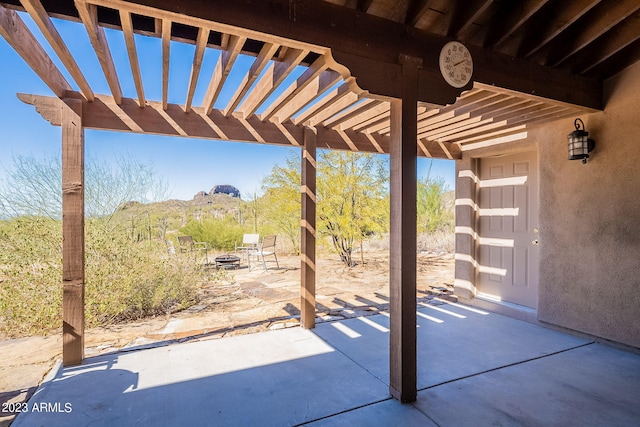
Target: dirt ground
[{"x": 245, "y": 301}]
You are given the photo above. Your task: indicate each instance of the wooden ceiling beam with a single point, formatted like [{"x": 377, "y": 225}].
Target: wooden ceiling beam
[
  {"x": 465, "y": 15},
  {"x": 383, "y": 125},
  {"x": 490, "y": 142},
  {"x": 503, "y": 27},
  {"x": 358, "y": 109},
  {"x": 454, "y": 128},
  {"x": 343, "y": 104},
  {"x": 564, "y": 15},
  {"x": 364, "y": 5},
  {"x": 372, "y": 120},
  {"x": 314, "y": 71},
  {"x": 309, "y": 95},
  {"x": 486, "y": 129},
  {"x": 221, "y": 71},
  {"x": 327, "y": 101},
  {"x": 261, "y": 61},
  {"x": 127, "y": 30},
  {"x": 415, "y": 11},
  {"x": 370, "y": 47},
  {"x": 89, "y": 16},
  {"x": 198, "y": 55},
  {"x": 608, "y": 45},
  {"x": 271, "y": 79},
  {"x": 600, "y": 20},
  {"x": 105, "y": 114},
  {"x": 446, "y": 120},
  {"x": 166, "y": 53},
  {"x": 42, "y": 20}
]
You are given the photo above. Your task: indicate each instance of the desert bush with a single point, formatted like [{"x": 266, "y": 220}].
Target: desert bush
[
  {"x": 125, "y": 279},
  {"x": 130, "y": 279},
  {"x": 30, "y": 275},
  {"x": 219, "y": 234}
]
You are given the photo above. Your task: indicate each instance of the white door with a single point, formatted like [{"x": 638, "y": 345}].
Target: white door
[{"x": 508, "y": 228}]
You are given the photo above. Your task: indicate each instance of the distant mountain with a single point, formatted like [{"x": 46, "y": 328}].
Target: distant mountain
[{"x": 220, "y": 189}]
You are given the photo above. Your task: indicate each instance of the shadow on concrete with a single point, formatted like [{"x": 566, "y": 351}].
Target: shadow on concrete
[{"x": 474, "y": 368}]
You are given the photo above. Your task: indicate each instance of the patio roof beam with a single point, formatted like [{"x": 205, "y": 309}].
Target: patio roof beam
[
  {"x": 89, "y": 16},
  {"x": 105, "y": 114},
  {"x": 16, "y": 33},
  {"x": 127, "y": 29},
  {"x": 198, "y": 55},
  {"x": 166, "y": 52},
  {"x": 370, "y": 46},
  {"x": 41, "y": 18}
]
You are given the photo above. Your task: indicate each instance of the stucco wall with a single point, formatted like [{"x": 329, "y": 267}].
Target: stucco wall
[{"x": 590, "y": 220}]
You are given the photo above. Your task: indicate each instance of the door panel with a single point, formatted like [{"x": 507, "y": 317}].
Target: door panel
[{"x": 507, "y": 228}]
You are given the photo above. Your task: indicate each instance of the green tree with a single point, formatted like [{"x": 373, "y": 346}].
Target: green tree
[
  {"x": 433, "y": 213},
  {"x": 280, "y": 203},
  {"x": 352, "y": 199}
]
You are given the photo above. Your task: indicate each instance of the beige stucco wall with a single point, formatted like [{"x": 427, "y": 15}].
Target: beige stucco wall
[{"x": 590, "y": 220}]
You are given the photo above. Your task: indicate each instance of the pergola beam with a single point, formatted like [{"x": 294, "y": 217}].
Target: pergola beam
[
  {"x": 89, "y": 16},
  {"x": 198, "y": 55},
  {"x": 105, "y": 114},
  {"x": 370, "y": 46},
  {"x": 16, "y": 33},
  {"x": 41, "y": 18},
  {"x": 166, "y": 53},
  {"x": 127, "y": 29}
]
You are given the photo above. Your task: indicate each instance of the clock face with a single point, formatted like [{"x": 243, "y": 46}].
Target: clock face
[{"x": 456, "y": 64}]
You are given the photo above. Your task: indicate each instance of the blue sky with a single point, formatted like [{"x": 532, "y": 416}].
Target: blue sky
[{"x": 187, "y": 165}]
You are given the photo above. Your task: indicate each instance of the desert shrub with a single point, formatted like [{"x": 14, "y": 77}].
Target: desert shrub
[
  {"x": 125, "y": 279},
  {"x": 130, "y": 279},
  {"x": 432, "y": 210},
  {"x": 219, "y": 234},
  {"x": 30, "y": 275}
]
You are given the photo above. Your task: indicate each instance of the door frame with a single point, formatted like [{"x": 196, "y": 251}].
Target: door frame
[{"x": 467, "y": 231}]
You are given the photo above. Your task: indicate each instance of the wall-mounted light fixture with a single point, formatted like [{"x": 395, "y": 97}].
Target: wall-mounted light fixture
[{"x": 579, "y": 143}]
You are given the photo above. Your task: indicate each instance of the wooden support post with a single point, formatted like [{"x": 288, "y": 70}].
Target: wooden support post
[
  {"x": 402, "y": 338},
  {"x": 72, "y": 232},
  {"x": 308, "y": 230}
]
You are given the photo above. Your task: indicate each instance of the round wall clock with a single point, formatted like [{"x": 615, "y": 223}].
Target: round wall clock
[{"x": 456, "y": 64}]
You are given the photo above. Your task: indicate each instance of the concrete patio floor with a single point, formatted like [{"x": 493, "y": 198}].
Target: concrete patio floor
[{"x": 474, "y": 368}]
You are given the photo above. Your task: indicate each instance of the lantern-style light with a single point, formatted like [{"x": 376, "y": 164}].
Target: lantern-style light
[{"x": 579, "y": 143}]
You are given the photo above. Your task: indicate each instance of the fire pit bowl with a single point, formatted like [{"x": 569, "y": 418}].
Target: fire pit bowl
[{"x": 228, "y": 262}]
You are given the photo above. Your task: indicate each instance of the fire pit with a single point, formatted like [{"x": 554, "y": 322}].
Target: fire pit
[{"x": 228, "y": 262}]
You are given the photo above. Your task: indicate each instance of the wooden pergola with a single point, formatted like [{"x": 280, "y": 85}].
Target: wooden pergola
[{"x": 370, "y": 83}]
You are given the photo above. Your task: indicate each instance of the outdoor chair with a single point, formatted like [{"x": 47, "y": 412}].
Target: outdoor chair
[
  {"x": 250, "y": 243},
  {"x": 267, "y": 248},
  {"x": 186, "y": 244}
]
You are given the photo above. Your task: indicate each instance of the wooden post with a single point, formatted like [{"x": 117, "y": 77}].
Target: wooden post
[
  {"x": 72, "y": 233},
  {"x": 402, "y": 275},
  {"x": 308, "y": 230}
]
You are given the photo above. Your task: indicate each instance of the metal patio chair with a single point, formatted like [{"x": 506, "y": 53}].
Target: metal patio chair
[
  {"x": 250, "y": 243},
  {"x": 187, "y": 244},
  {"x": 266, "y": 248}
]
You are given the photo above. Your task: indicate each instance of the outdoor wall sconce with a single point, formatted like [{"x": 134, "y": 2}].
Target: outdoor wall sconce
[{"x": 579, "y": 143}]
